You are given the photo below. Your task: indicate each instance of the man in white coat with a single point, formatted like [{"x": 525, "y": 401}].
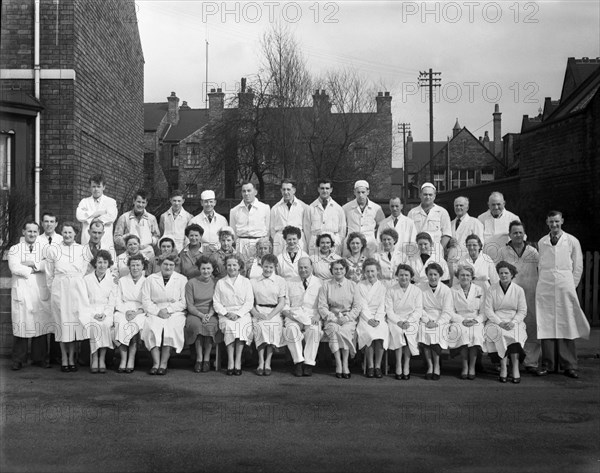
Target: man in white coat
[
  {"x": 407, "y": 232},
  {"x": 97, "y": 207},
  {"x": 431, "y": 218},
  {"x": 289, "y": 211},
  {"x": 250, "y": 220},
  {"x": 302, "y": 320},
  {"x": 174, "y": 221},
  {"x": 30, "y": 304},
  {"x": 496, "y": 222},
  {"x": 363, "y": 216},
  {"x": 464, "y": 225},
  {"x": 560, "y": 319},
  {"x": 210, "y": 221}
]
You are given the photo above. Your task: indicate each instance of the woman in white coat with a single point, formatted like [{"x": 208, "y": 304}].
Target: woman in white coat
[
  {"x": 270, "y": 294},
  {"x": 339, "y": 308},
  {"x": 505, "y": 308},
  {"x": 98, "y": 320},
  {"x": 466, "y": 330},
  {"x": 483, "y": 265},
  {"x": 404, "y": 308},
  {"x": 66, "y": 266},
  {"x": 129, "y": 314},
  {"x": 232, "y": 301},
  {"x": 163, "y": 299},
  {"x": 372, "y": 329},
  {"x": 437, "y": 312}
]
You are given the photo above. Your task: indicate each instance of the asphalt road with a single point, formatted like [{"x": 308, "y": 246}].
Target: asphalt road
[{"x": 79, "y": 422}]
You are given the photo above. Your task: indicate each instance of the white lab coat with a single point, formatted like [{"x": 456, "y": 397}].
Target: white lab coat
[
  {"x": 499, "y": 307},
  {"x": 129, "y": 297},
  {"x": 30, "y": 297},
  {"x": 416, "y": 263},
  {"x": 484, "y": 268},
  {"x": 87, "y": 207},
  {"x": 467, "y": 308},
  {"x": 438, "y": 307},
  {"x": 468, "y": 226},
  {"x": 495, "y": 232},
  {"x": 102, "y": 296},
  {"x": 287, "y": 268},
  {"x": 559, "y": 314},
  {"x": 372, "y": 300},
  {"x": 157, "y": 296},
  {"x": 404, "y": 306},
  {"x": 236, "y": 296}
]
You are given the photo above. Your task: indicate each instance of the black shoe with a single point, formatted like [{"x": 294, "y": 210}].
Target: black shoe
[
  {"x": 298, "y": 370},
  {"x": 73, "y": 368},
  {"x": 161, "y": 371},
  {"x": 65, "y": 368},
  {"x": 239, "y": 372},
  {"x": 378, "y": 373},
  {"x": 229, "y": 372},
  {"x": 516, "y": 380},
  {"x": 16, "y": 366},
  {"x": 571, "y": 374},
  {"x": 338, "y": 375},
  {"x": 346, "y": 375},
  {"x": 436, "y": 377},
  {"x": 429, "y": 376},
  {"x": 470, "y": 377},
  {"x": 406, "y": 377},
  {"x": 542, "y": 372},
  {"x": 153, "y": 371},
  {"x": 370, "y": 373},
  {"x": 464, "y": 376},
  {"x": 502, "y": 379},
  {"x": 307, "y": 370},
  {"x": 399, "y": 376}
]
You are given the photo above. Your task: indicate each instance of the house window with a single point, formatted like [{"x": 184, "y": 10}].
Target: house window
[
  {"x": 439, "y": 180},
  {"x": 175, "y": 156},
  {"x": 192, "y": 191},
  {"x": 487, "y": 175},
  {"x": 192, "y": 155},
  {"x": 462, "y": 178},
  {"x": 6, "y": 140}
]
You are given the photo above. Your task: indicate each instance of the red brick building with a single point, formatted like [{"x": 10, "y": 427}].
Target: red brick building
[{"x": 90, "y": 102}]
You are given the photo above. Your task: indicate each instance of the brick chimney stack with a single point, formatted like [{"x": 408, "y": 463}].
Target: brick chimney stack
[
  {"x": 497, "y": 131},
  {"x": 321, "y": 103},
  {"x": 384, "y": 103},
  {"x": 245, "y": 96},
  {"x": 216, "y": 103},
  {"x": 409, "y": 146},
  {"x": 486, "y": 140},
  {"x": 173, "y": 110}
]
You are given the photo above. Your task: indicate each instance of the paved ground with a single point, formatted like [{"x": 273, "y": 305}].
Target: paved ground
[{"x": 63, "y": 422}]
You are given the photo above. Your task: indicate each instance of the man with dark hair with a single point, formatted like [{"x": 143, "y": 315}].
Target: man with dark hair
[
  {"x": 560, "y": 319},
  {"x": 30, "y": 308},
  {"x": 289, "y": 211},
  {"x": 175, "y": 220},
  {"x": 97, "y": 207},
  {"x": 324, "y": 215},
  {"x": 404, "y": 226},
  {"x": 140, "y": 223}
]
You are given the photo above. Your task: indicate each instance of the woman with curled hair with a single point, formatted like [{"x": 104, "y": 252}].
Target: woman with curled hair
[
  {"x": 287, "y": 260},
  {"x": 426, "y": 255},
  {"x": 388, "y": 258},
  {"x": 202, "y": 325},
  {"x": 270, "y": 294},
  {"x": 233, "y": 299},
  {"x": 129, "y": 313},
  {"x": 325, "y": 256},
  {"x": 163, "y": 299},
  {"x": 339, "y": 308},
  {"x": 466, "y": 331},
  {"x": 483, "y": 265},
  {"x": 505, "y": 307},
  {"x": 166, "y": 246},
  {"x": 227, "y": 248},
  {"x": 403, "y": 308},
  {"x": 102, "y": 292},
  {"x": 66, "y": 265},
  {"x": 372, "y": 330},
  {"x": 132, "y": 248},
  {"x": 263, "y": 247},
  {"x": 356, "y": 243},
  {"x": 437, "y": 312},
  {"x": 192, "y": 251}
]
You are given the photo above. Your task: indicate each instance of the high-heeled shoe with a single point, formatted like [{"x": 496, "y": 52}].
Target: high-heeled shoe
[
  {"x": 464, "y": 376},
  {"x": 399, "y": 376},
  {"x": 470, "y": 377},
  {"x": 65, "y": 368},
  {"x": 406, "y": 377},
  {"x": 516, "y": 380},
  {"x": 338, "y": 375},
  {"x": 429, "y": 376},
  {"x": 346, "y": 375},
  {"x": 73, "y": 368},
  {"x": 229, "y": 372},
  {"x": 436, "y": 377},
  {"x": 502, "y": 379}
]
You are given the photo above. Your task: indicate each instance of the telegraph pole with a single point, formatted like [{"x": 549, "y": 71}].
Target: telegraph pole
[
  {"x": 403, "y": 128},
  {"x": 428, "y": 79}
]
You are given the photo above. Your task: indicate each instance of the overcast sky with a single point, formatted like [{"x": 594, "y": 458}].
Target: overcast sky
[{"x": 507, "y": 52}]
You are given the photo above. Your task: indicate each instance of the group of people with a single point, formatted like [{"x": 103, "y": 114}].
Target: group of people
[{"x": 296, "y": 275}]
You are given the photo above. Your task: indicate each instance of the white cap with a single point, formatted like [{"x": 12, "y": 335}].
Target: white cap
[
  {"x": 361, "y": 183},
  {"x": 428, "y": 184},
  {"x": 206, "y": 195}
]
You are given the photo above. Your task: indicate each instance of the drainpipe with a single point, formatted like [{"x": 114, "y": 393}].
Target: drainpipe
[{"x": 36, "y": 72}]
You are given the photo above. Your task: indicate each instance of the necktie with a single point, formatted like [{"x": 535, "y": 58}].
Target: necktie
[
  {"x": 292, "y": 256},
  {"x": 554, "y": 240},
  {"x": 395, "y": 222},
  {"x": 324, "y": 203},
  {"x": 457, "y": 222},
  {"x": 209, "y": 218},
  {"x": 30, "y": 248},
  {"x": 289, "y": 205},
  {"x": 305, "y": 284},
  {"x": 49, "y": 240},
  {"x": 390, "y": 256},
  {"x": 249, "y": 207}
]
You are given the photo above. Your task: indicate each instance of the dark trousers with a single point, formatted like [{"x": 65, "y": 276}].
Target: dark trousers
[
  {"x": 567, "y": 353},
  {"x": 39, "y": 349}
]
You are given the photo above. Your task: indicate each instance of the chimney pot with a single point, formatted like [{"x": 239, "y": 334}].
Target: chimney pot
[
  {"x": 379, "y": 94},
  {"x": 212, "y": 91},
  {"x": 322, "y": 91},
  {"x": 219, "y": 90},
  {"x": 387, "y": 94},
  {"x": 173, "y": 94}
]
